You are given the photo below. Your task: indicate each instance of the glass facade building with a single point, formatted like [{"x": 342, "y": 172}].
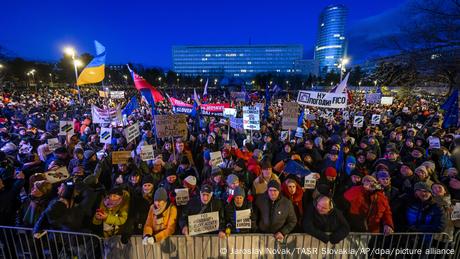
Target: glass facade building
[
  {"x": 331, "y": 43},
  {"x": 235, "y": 61}
]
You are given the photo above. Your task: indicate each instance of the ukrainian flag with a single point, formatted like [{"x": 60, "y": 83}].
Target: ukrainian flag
[{"x": 94, "y": 71}]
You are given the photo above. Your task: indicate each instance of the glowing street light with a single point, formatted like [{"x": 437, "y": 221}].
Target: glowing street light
[
  {"x": 215, "y": 81},
  {"x": 343, "y": 62},
  {"x": 375, "y": 83},
  {"x": 70, "y": 51},
  {"x": 1, "y": 65},
  {"x": 77, "y": 63}
]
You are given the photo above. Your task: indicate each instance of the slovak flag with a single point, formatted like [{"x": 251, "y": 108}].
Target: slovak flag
[
  {"x": 205, "y": 92},
  {"x": 145, "y": 88}
]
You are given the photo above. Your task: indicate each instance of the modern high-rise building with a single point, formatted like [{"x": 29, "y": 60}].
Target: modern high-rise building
[
  {"x": 331, "y": 42},
  {"x": 235, "y": 60}
]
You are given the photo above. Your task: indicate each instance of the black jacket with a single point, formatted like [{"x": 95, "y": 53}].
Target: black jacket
[
  {"x": 275, "y": 216},
  {"x": 230, "y": 217},
  {"x": 195, "y": 207},
  {"x": 332, "y": 227}
]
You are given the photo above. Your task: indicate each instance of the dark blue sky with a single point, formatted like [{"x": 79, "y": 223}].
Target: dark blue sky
[{"x": 144, "y": 31}]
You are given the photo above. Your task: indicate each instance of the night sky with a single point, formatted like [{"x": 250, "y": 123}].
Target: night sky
[{"x": 144, "y": 31}]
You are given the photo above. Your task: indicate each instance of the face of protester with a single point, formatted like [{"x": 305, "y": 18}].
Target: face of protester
[
  {"x": 351, "y": 166},
  {"x": 391, "y": 155},
  {"x": 159, "y": 204},
  {"x": 361, "y": 159},
  {"x": 291, "y": 188},
  {"x": 371, "y": 156},
  {"x": 123, "y": 168},
  {"x": 273, "y": 193},
  {"x": 234, "y": 185},
  {"x": 156, "y": 168},
  {"x": 356, "y": 179},
  {"x": 333, "y": 157},
  {"x": 392, "y": 135},
  {"x": 210, "y": 140},
  {"x": 171, "y": 178},
  {"x": 239, "y": 200},
  {"x": 422, "y": 175},
  {"x": 308, "y": 145},
  {"x": 438, "y": 190},
  {"x": 423, "y": 195},
  {"x": 167, "y": 146},
  {"x": 363, "y": 145},
  {"x": 409, "y": 143},
  {"x": 369, "y": 185},
  {"x": 287, "y": 148},
  {"x": 61, "y": 189},
  {"x": 406, "y": 171},
  {"x": 35, "y": 192},
  {"x": 267, "y": 173},
  {"x": 205, "y": 197},
  {"x": 307, "y": 159},
  {"x": 147, "y": 188},
  {"x": 385, "y": 181},
  {"x": 180, "y": 147},
  {"x": 217, "y": 178},
  {"x": 323, "y": 206},
  {"x": 331, "y": 178},
  {"x": 416, "y": 153},
  {"x": 134, "y": 179},
  {"x": 79, "y": 156}
]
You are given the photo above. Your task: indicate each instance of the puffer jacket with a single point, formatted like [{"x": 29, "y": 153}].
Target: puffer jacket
[
  {"x": 428, "y": 216},
  {"x": 163, "y": 225},
  {"x": 275, "y": 216},
  {"x": 117, "y": 216}
]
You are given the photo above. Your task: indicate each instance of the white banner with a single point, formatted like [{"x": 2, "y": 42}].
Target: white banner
[
  {"x": 147, "y": 153},
  {"x": 435, "y": 142},
  {"x": 309, "y": 182},
  {"x": 106, "y": 135},
  {"x": 386, "y": 100},
  {"x": 243, "y": 219},
  {"x": 322, "y": 99},
  {"x": 132, "y": 132},
  {"x": 229, "y": 112},
  {"x": 105, "y": 115},
  {"x": 203, "y": 223},
  {"x": 117, "y": 94},
  {"x": 358, "y": 121},
  {"x": 251, "y": 118},
  {"x": 299, "y": 132},
  {"x": 182, "y": 196},
  {"x": 375, "y": 119},
  {"x": 65, "y": 127}
]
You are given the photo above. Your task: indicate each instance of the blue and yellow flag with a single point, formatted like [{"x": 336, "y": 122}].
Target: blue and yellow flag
[{"x": 94, "y": 71}]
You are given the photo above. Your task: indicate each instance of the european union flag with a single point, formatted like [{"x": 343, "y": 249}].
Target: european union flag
[{"x": 130, "y": 107}]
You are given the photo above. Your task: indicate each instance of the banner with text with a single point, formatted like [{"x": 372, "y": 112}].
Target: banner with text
[
  {"x": 171, "y": 125},
  {"x": 322, "y": 99},
  {"x": 105, "y": 115},
  {"x": 251, "y": 118}
]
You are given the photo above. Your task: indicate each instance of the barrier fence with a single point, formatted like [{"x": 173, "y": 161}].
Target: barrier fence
[{"x": 19, "y": 243}]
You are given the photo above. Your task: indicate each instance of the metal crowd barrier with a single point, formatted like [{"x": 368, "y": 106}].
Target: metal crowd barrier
[{"x": 19, "y": 243}]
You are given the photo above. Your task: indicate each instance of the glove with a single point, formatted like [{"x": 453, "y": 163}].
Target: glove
[{"x": 148, "y": 240}]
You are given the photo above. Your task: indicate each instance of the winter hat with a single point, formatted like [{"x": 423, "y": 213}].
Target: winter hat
[
  {"x": 184, "y": 160},
  {"x": 43, "y": 186},
  {"x": 273, "y": 184},
  {"x": 331, "y": 172},
  {"x": 160, "y": 195},
  {"x": 265, "y": 164},
  {"x": 117, "y": 191},
  {"x": 239, "y": 192},
  {"x": 421, "y": 168},
  {"x": 351, "y": 159},
  {"x": 88, "y": 154},
  {"x": 206, "y": 189},
  {"x": 191, "y": 180},
  {"x": 382, "y": 174},
  {"x": 148, "y": 178},
  {"x": 216, "y": 171},
  {"x": 60, "y": 150},
  {"x": 232, "y": 179},
  {"x": 170, "y": 171},
  {"x": 421, "y": 186},
  {"x": 429, "y": 165},
  {"x": 357, "y": 173}
]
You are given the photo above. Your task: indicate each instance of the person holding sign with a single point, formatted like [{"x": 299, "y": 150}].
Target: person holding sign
[
  {"x": 275, "y": 212},
  {"x": 205, "y": 203},
  {"x": 161, "y": 220},
  {"x": 235, "y": 224}
]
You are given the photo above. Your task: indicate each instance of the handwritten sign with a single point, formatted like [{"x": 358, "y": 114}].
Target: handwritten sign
[
  {"x": 120, "y": 157},
  {"x": 147, "y": 153},
  {"x": 58, "y": 175},
  {"x": 243, "y": 219},
  {"x": 203, "y": 223},
  {"x": 309, "y": 182},
  {"x": 117, "y": 94},
  {"x": 171, "y": 125},
  {"x": 229, "y": 112},
  {"x": 290, "y": 115},
  {"x": 251, "y": 118},
  {"x": 434, "y": 142},
  {"x": 456, "y": 212},
  {"x": 236, "y": 123},
  {"x": 216, "y": 158},
  {"x": 132, "y": 132},
  {"x": 182, "y": 196},
  {"x": 386, "y": 100}
]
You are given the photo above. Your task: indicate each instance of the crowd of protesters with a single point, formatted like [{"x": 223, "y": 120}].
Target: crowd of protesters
[{"x": 381, "y": 178}]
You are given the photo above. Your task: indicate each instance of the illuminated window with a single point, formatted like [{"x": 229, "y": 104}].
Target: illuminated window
[
  {"x": 329, "y": 57},
  {"x": 336, "y": 35}
]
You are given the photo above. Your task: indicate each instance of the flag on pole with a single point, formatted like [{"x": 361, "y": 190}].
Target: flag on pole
[
  {"x": 268, "y": 98},
  {"x": 94, "y": 72},
  {"x": 143, "y": 86},
  {"x": 301, "y": 118},
  {"x": 342, "y": 87},
  {"x": 130, "y": 107},
  {"x": 205, "y": 92},
  {"x": 450, "y": 106}
]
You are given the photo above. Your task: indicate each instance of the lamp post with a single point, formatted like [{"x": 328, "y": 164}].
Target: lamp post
[
  {"x": 71, "y": 52},
  {"x": 159, "y": 79},
  {"x": 343, "y": 62}
]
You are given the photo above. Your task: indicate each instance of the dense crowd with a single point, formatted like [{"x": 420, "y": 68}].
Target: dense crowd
[{"x": 381, "y": 178}]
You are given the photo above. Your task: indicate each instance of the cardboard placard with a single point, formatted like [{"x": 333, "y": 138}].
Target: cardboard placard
[
  {"x": 182, "y": 196},
  {"x": 375, "y": 119},
  {"x": 290, "y": 115},
  {"x": 171, "y": 125},
  {"x": 386, "y": 100},
  {"x": 251, "y": 118},
  {"x": 434, "y": 142},
  {"x": 103, "y": 94},
  {"x": 117, "y": 94},
  {"x": 147, "y": 153},
  {"x": 309, "y": 182},
  {"x": 106, "y": 135},
  {"x": 65, "y": 127},
  {"x": 131, "y": 132},
  {"x": 236, "y": 123},
  {"x": 58, "y": 175},
  {"x": 216, "y": 158},
  {"x": 346, "y": 115},
  {"x": 243, "y": 219},
  {"x": 120, "y": 157},
  {"x": 299, "y": 132},
  {"x": 203, "y": 223},
  {"x": 358, "y": 121},
  {"x": 53, "y": 143},
  {"x": 102, "y": 116}
]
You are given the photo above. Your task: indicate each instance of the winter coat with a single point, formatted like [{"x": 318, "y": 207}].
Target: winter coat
[
  {"x": 368, "y": 212},
  {"x": 230, "y": 217},
  {"x": 332, "y": 227},
  {"x": 195, "y": 207},
  {"x": 275, "y": 216},
  {"x": 428, "y": 216},
  {"x": 117, "y": 216},
  {"x": 163, "y": 225},
  {"x": 296, "y": 200}
]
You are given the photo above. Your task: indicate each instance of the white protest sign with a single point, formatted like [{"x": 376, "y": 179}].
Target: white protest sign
[
  {"x": 322, "y": 99},
  {"x": 284, "y": 135},
  {"x": 57, "y": 175},
  {"x": 243, "y": 219},
  {"x": 299, "y": 132},
  {"x": 375, "y": 119},
  {"x": 117, "y": 94},
  {"x": 203, "y": 223},
  {"x": 106, "y": 135},
  {"x": 435, "y": 142},
  {"x": 309, "y": 182},
  {"x": 182, "y": 196},
  {"x": 236, "y": 123},
  {"x": 386, "y": 100},
  {"x": 346, "y": 115},
  {"x": 147, "y": 153},
  {"x": 251, "y": 118},
  {"x": 65, "y": 127},
  {"x": 229, "y": 112},
  {"x": 53, "y": 143},
  {"x": 105, "y": 115},
  {"x": 358, "y": 121},
  {"x": 456, "y": 212},
  {"x": 132, "y": 132},
  {"x": 216, "y": 158}
]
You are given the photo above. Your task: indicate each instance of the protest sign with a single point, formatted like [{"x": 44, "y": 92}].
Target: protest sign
[
  {"x": 322, "y": 99},
  {"x": 117, "y": 94},
  {"x": 375, "y": 119},
  {"x": 53, "y": 143},
  {"x": 456, "y": 212},
  {"x": 147, "y": 153},
  {"x": 182, "y": 196},
  {"x": 120, "y": 157},
  {"x": 373, "y": 98},
  {"x": 284, "y": 135},
  {"x": 65, "y": 127},
  {"x": 203, "y": 223},
  {"x": 236, "y": 123},
  {"x": 358, "y": 121},
  {"x": 229, "y": 112},
  {"x": 290, "y": 115},
  {"x": 132, "y": 132},
  {"x": 386, "y": 100},
  {"x": 106, "y": 135},
  {"x": 299, "y": 132},
  {"x": 214, "y": 109},
  {"x": 58, "y": 175},
  {"x": 243, "y": 219},
  {"x": 105, "y": 115},
  {"x": 171, "y": 125},
  {"x": 261, "y": 106},
  {"x": 238, "y": 96},
  {"x": 216, "y": 158},
  {"x": 309, "y": 182},
  {"x": 103, "y": 94},
  {"x": 251, "y": 118},
  {"x": 434, "y": 142},
  {"x": 346, "y": 115}
]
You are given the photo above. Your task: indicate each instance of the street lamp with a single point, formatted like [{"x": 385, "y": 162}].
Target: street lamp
[
  {"x": 71, "y": 52},
  {"x": 215, "y": 81},
  {"x": 271, "y": 82},
  {"x": 375, "y": 83},
  {"x": 343, "y": 62},
  {"x": 1, "y": 66}
]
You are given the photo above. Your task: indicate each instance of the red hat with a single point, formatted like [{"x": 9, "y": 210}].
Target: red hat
[{"x": 331, "y": 172}]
